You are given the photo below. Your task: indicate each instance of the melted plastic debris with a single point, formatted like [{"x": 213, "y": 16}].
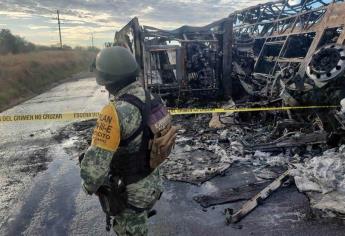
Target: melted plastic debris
[
  {"x": 323, "y": 179},
  {"x": 195, "y": 166}
]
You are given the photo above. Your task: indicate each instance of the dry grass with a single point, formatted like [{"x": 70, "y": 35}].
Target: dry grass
[{"x": 25, "y": 75}]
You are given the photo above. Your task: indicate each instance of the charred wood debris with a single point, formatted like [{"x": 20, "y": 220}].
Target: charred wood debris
[{"x": 276, "y": 54}]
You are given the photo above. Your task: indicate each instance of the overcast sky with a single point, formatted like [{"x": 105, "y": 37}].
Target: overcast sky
[{"x": 36, "y": 20}]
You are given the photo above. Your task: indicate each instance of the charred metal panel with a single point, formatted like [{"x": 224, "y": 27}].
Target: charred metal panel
[
  {"x": 227, "y": 58},
  {"x": 130, "y": 37},
  {"x": 288, "y": 28},
  {"x": 180, "y": 64},
  {"x": 341, "y": 39},
  {"x": 265, "y": 39},
  {"x": 185, "y": 61}
]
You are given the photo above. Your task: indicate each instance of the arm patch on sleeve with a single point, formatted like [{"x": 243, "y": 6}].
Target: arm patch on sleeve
[{"x": 106, "y": 134}]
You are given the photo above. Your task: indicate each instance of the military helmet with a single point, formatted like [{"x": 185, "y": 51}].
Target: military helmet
[{"x": 114, "y": 65}]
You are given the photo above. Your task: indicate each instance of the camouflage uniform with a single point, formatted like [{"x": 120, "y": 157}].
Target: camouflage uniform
[{"x": 96, "y": 164}]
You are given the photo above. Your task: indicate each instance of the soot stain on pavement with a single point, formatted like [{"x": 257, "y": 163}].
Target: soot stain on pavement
[
  {"x": 79, "y": 133},
  {"x": 34, "y": 169},
  {"x": 36, "y": 161},
  {"x": 48, "y": 206},
  {"x": 19, "y": 165}
]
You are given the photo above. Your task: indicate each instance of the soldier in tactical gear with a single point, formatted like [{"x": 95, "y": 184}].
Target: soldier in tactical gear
[{"x": 132, "y": 137}]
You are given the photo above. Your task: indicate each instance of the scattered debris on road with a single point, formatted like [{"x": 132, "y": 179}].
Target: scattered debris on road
[
  {"x": 322, "y": 179},
  {"x": 231, "y": 195},
  {"x": 278, "y": 54},
  {"x": 257, "y": 199}
]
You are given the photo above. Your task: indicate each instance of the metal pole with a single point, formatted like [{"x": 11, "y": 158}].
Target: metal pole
[{"x": 58, "y": 17}]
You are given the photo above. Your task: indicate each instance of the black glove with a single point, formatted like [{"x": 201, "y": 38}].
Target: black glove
[{"x": 81, "y": 157}]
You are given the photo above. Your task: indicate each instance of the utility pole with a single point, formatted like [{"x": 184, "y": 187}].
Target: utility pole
[
  {"x": 58, "y": 18},
  {"x": 92, "y": 40}
]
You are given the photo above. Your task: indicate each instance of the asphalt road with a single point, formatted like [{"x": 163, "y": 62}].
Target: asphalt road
[
  {"x": 28, "y": 148},
  {"x": 52, "y": 202}
]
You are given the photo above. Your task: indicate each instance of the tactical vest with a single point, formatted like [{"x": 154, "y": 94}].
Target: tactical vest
[{"x": 158, "y": 138}]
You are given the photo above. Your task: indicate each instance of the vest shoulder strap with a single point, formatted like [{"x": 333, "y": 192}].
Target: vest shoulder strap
[{"x": 144, "y": 109}]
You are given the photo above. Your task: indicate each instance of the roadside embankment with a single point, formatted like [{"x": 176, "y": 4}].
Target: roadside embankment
[{"x": 25, "y": 75}]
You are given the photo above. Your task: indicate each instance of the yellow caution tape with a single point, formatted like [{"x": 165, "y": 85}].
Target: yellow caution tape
[
  {"x": 188, "y": 111},
  {"x": 49, "y": 117},
  {"x": 179, "y": 111}
]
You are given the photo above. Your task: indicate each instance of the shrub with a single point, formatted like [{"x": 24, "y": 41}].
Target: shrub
[{"x": 10, "y": 43}]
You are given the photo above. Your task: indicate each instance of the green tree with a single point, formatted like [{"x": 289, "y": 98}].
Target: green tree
[
  {"x": 7, "y": 42},
  {"x": 10, "y": 43}
]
